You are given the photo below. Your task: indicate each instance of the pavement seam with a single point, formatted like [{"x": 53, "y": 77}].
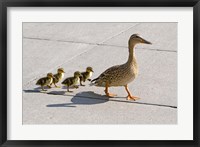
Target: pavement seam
[
  {"x": 95, "y": 45},
  {"x": 36, "y": 77},
  {"x": 29, "y": 82},
  {"x": 114, "y": 100},
  {"x": 99, "y": 44},
  {"x": 119, "y": 33}
]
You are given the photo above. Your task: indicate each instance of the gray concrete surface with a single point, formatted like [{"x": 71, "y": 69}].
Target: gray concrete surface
[{"x": 74, "y": 46}]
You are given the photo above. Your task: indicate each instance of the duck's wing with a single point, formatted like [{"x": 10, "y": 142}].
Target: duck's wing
[
  {"x": 68, "y": 81},
  {"x": 84, "y": 76},
  {"x": 107, "y": 74},
  {"x": 42, "y": 81},
  {"x": 56, "y": 78}
]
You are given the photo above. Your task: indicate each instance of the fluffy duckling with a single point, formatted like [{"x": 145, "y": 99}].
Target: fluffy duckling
[
  {"x": 86, "y": 75},
  {"x": 57, "y": 77},
  {"x": 45, "y": 81},
  {"x": 72, "y": 81},
  {"x": 122, "y": 75}
]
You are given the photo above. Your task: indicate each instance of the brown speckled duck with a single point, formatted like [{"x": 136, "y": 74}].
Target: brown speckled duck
[{"x": 122, "y": 75}]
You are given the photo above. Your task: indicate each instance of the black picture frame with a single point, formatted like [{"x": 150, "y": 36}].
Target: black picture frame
[{"x": 4, "y": 4}]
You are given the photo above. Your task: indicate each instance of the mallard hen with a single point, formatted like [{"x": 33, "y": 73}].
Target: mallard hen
[{"x": 122, "y": 75}]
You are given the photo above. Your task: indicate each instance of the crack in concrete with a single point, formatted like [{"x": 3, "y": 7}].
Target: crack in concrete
[
  {"x": 36, "y": 77},
  {"x": 94, "y": 44},
  {"x": 99, "y": 44},
  {"x": 119, "y": 33},
  {"x": 114, "y": 100}
]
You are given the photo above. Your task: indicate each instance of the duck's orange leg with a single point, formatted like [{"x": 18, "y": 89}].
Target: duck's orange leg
[
  {"x": 130, "y": 97},
  {"x": 107, "y": 93}
]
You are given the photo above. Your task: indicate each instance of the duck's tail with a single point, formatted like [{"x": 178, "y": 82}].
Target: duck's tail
[
  {"x": 38, "y": 82},
  {"x": 94, "y": 80},
  {"x": 92, "y": 83}
]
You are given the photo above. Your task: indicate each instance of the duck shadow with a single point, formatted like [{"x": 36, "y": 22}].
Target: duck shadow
[
  {"x": 35, "y": 90},
  {"x": 88, "y": 98},
  {"x": 71, "y": 87},
  {"x": 82, "y": 98}
]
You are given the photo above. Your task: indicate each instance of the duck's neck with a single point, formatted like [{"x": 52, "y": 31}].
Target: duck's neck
[
  {"x": 131, "y": 58},
  {"x": 76, "y": 76},
  {"x": 60, "y": 75},
  {"x": 50, "y": 77}
]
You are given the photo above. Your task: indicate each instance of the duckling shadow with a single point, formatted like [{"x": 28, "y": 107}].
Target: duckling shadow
[
  {"x": 71, "y": 87},
  {"x": 57, "y": 93},
  {"x": 82, "y": 98},
  {"x": 35, "y": 90}
]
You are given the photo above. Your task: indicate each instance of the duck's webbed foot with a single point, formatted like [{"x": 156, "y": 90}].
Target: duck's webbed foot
[
  {"x": 68, "y": 90},
  {"x": 134, "y": 98},
  {"x": 130, "y": 97},
  {"x": 44, "y": 90},
  {"x": 76, "y": 86},
  {"x": 110, "y": 94},
  {"x": 81, "y": 84},
  {"x": 56, "y": 86}
]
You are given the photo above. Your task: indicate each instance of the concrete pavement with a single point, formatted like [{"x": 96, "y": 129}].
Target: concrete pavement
[{"x": 74, "y": 46}]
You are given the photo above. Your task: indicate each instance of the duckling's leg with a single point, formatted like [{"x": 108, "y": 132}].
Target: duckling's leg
[
  {"x": 76, "y": 86},
  {"x": 107, "y": 93},
  {"x": 49, "y": 86},
  {"x": 81, "y": 83},
  {"x": 68, "y": 89},
  {"x": 130, "y": 97},
  {"x": 43, "y": 88},
  {"x": 56, "y": 85},
  {"x": 81, "y": 80}
]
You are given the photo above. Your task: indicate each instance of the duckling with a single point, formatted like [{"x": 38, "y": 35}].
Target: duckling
[
  {"x": 86, "y": 75},
  {"x": 122, "y": 75},
  {"x": 72, "y": 81},
  {"x": 45, "y": 81},
  {"x": 58, "y": 77}
]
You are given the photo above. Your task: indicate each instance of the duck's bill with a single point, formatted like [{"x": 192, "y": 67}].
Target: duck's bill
[{"x": 146, "y": 42}]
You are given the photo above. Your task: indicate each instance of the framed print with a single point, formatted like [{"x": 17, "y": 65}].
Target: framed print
[{"x": 121, "y": 73}]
